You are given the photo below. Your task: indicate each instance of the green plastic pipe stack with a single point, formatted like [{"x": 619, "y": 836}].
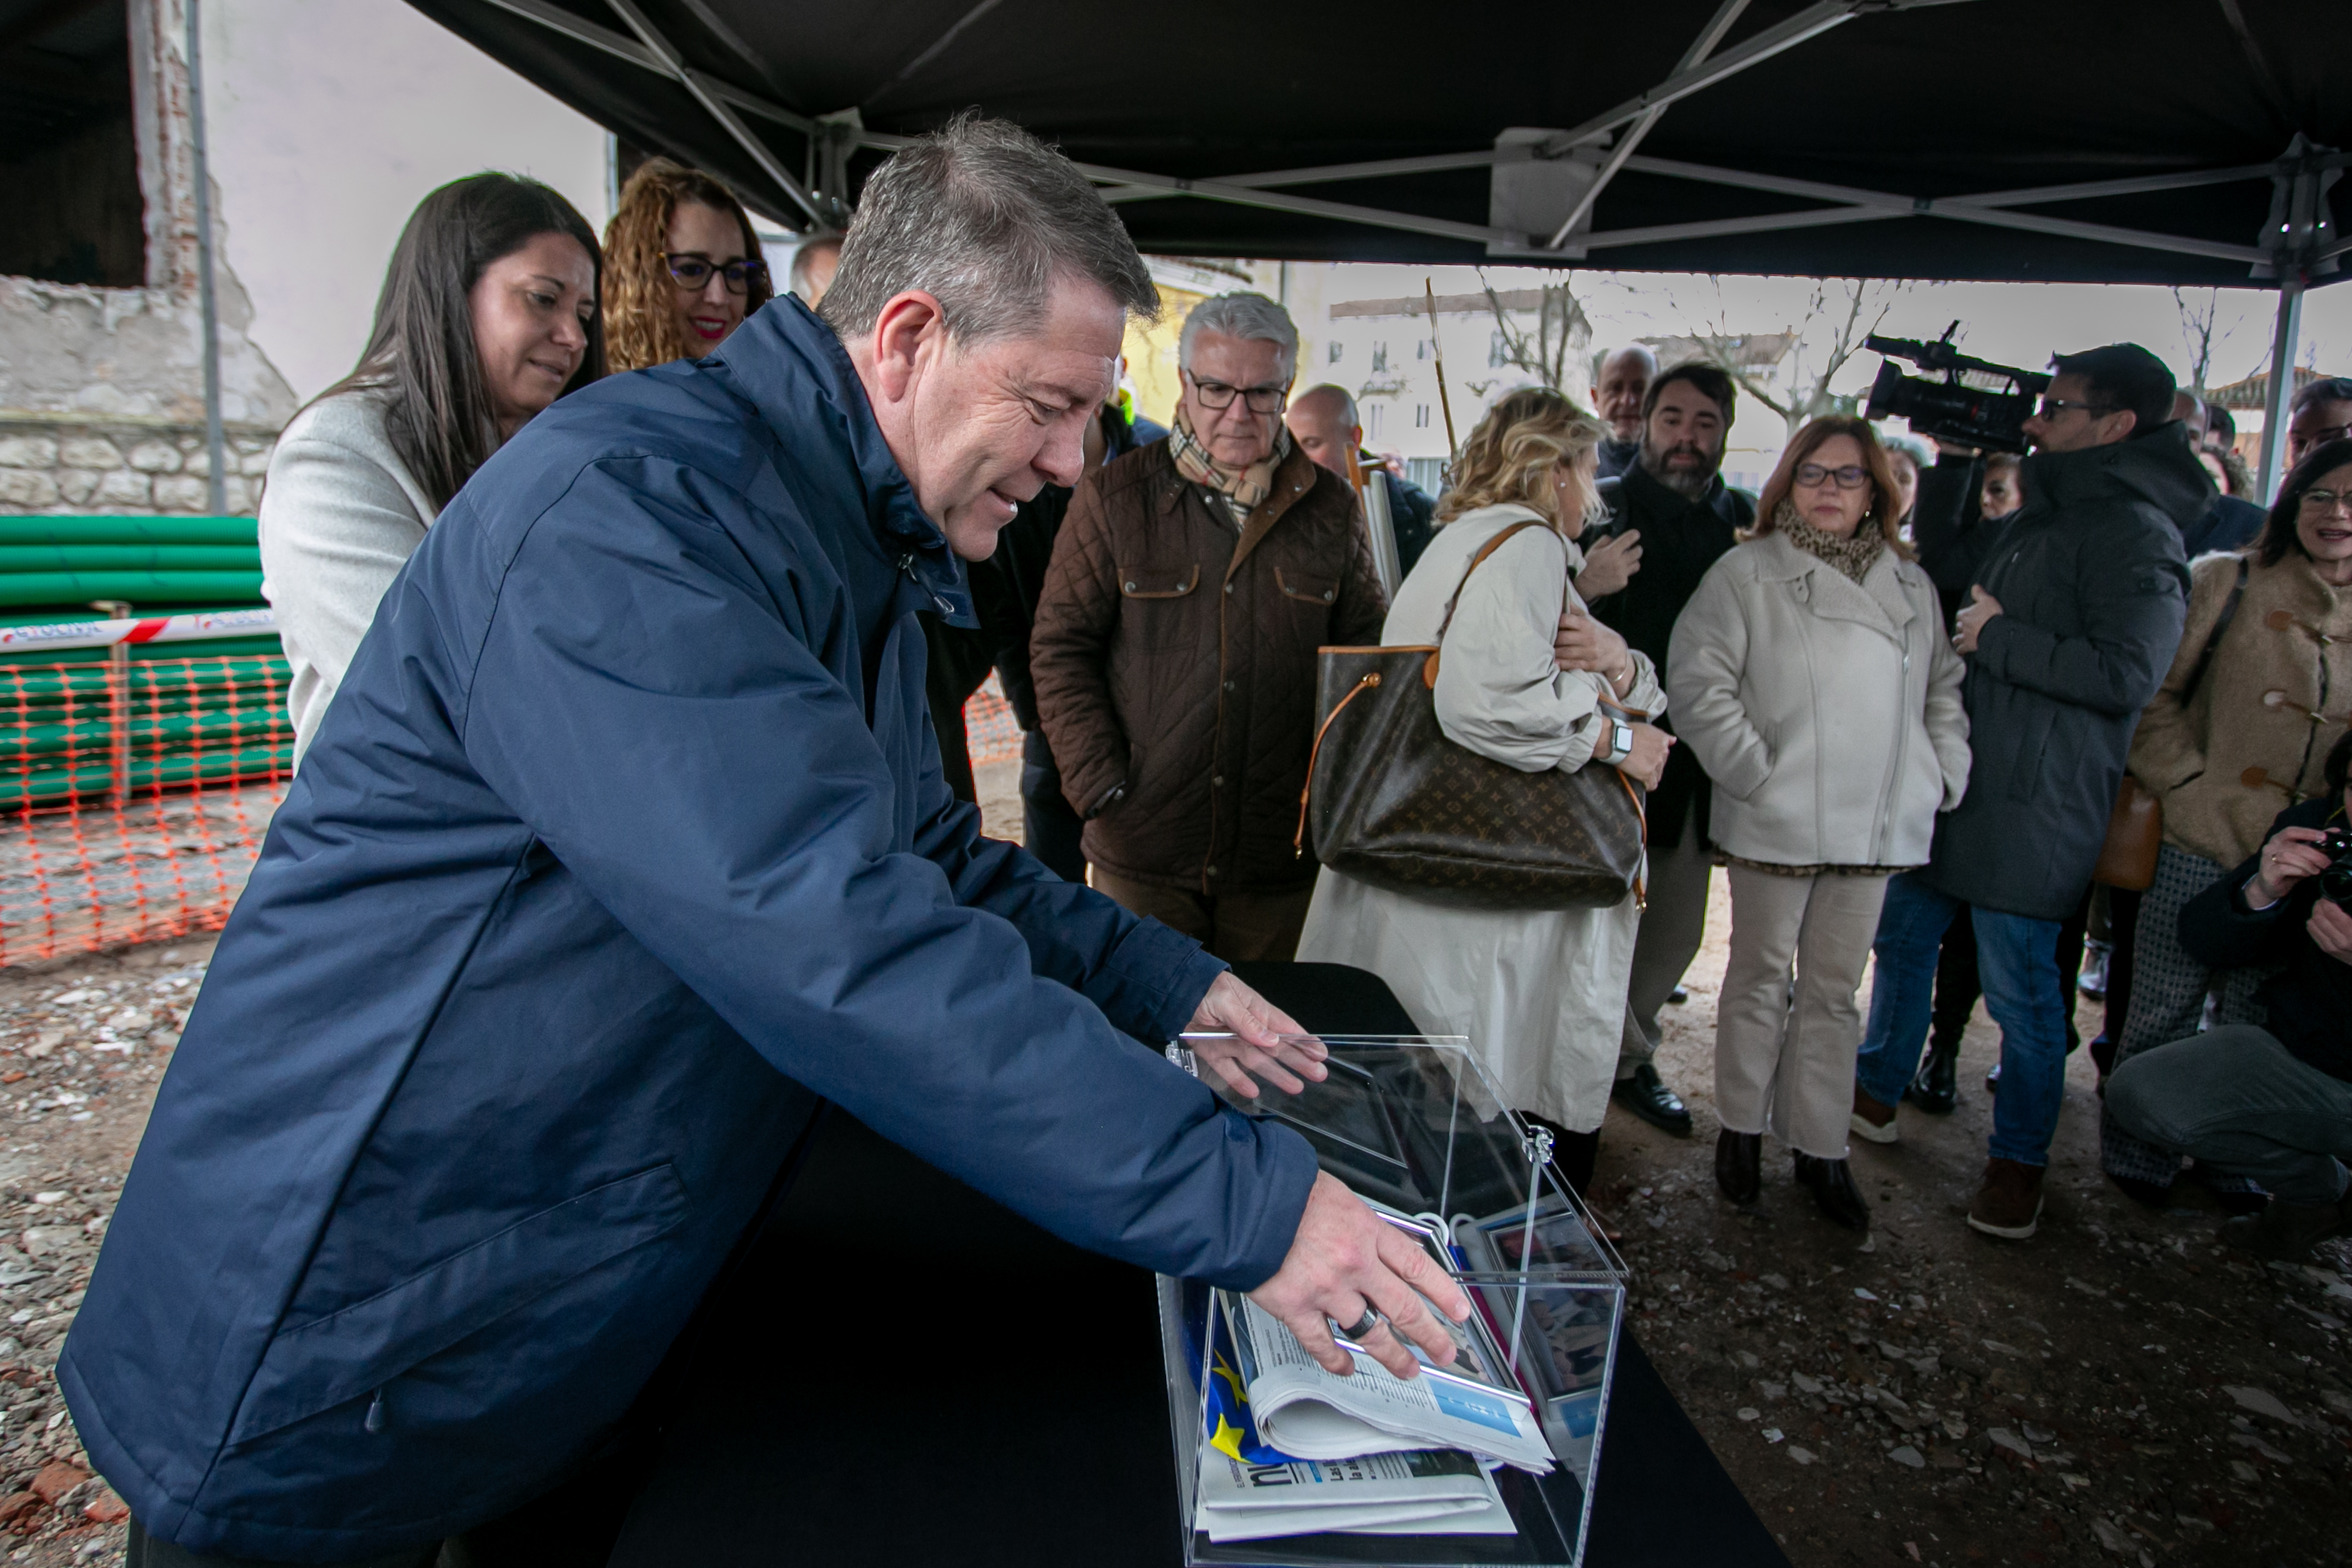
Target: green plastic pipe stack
[{"x": 224, "y": 722}]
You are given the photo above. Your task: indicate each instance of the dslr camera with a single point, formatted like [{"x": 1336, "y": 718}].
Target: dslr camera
[
  {"x": 2336, "y": 882},
  {"x": 1965, "y": 402}
]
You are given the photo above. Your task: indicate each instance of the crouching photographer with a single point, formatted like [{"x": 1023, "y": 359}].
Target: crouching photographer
[{"x": 2273, "y": 1103}]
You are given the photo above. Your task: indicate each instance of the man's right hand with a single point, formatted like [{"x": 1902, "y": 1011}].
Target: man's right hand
[
  {"x": 1344, "y": 1259},
  {"x": 1647, "y": 762},
  {"x": 1610, "y": 565},
  {"x": 2287, "y": 859}
]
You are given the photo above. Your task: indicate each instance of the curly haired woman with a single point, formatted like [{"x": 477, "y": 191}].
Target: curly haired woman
[
  {"x": 1541, "y": 994},
  {"x": 682, "y": 268}
]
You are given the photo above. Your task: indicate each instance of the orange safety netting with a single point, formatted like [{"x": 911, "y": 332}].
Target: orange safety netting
[
  {"x": 134, "y": 796},
  {"x": 991, "y": 732}
]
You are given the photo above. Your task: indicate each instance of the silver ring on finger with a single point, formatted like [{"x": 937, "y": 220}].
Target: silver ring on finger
[{"x": 1362, "y": 1326}]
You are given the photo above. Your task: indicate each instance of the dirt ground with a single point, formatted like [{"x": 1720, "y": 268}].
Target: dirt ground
[{"x": 2119, "y": 1390}]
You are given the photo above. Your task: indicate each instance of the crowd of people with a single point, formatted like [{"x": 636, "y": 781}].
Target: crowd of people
[
  {"x": 636, "y": 708},
  {"x": 1894, "y": 696}
]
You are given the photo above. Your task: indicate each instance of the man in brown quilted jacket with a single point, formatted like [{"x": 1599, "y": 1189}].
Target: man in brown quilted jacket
[{"x": 1174, "y": 649}]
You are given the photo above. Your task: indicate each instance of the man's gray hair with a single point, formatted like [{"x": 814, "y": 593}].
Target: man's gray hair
[
  {"x": 1349, "y": 419},
  {"x": 980, "y": 215},
  {"x": 1252, "y": 317},
  {"x": 804, "y": 259}
]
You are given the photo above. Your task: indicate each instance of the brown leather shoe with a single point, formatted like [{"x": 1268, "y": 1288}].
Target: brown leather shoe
[
  {"x": 2009, "y": 1205},
  {"x": 1872, "y": 1120}
]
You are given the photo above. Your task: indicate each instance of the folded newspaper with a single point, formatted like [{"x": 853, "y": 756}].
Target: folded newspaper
[
  {"x": 1306, "y": 1413},
  {"x": 1424, "y": 1491}
]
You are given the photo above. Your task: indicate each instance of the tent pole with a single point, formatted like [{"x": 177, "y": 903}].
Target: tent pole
[{"x": 2281, "y": 395}]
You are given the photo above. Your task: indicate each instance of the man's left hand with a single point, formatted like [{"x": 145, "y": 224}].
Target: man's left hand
[
  {"x": 2331, "y": 930},
  {"x": 1253, "y": 1036},
  {"x": 1970, "y": 624}
]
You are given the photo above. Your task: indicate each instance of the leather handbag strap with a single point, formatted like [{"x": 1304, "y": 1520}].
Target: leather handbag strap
[{"x": 2213, "y": 639}]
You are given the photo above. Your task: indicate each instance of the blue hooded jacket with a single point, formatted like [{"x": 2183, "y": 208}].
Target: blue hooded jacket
[{"x": 623, "y": 844}]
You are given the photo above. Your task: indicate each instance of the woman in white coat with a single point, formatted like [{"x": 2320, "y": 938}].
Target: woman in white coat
[
  {"x": 488, "y": 314},
  {"x": 1540, "y": 995},
  {"x": 1811, "y": 678}
]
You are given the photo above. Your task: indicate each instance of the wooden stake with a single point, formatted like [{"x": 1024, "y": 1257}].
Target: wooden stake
[{"x": 1437, "y": 349}]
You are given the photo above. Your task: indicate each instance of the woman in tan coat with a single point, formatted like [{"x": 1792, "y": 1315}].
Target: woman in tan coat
[
  {"x": 2239, "y": 731},
  {"x": 1811, "y": 676}
]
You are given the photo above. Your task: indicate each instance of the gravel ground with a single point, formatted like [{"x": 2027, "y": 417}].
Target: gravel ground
[
  {"x": 2119, "y": 1390},
  {"x": 82, "y": 1042}
]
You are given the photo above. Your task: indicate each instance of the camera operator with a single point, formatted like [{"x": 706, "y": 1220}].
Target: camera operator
[
  {"x": 2273, "y": 1104},
  {"x": 2072, "y": 624}
]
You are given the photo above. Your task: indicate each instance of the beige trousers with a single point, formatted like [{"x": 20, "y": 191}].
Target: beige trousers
[
  {"x": 1787, "y": 1061},
  {"x": 1238, "y": 928}
]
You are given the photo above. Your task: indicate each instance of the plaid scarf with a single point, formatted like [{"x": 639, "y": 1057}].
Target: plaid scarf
[
  {"x": 1241, "y": 492},
  {"x": 1851, "y": 555}
]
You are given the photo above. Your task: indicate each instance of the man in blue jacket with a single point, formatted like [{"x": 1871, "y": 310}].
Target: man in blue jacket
[{"x": 624, "y": 847}]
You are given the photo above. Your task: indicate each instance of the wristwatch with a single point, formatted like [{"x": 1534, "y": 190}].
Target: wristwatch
[{"x": 1621, "y": 741}]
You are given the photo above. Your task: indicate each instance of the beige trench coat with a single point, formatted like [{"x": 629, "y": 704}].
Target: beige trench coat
[
  {"x": 2251, "y": 740},
  {"x": 1540, "y": 994}
]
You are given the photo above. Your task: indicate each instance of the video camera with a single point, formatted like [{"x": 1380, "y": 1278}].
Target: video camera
[{"x": 1974, "y": 403}]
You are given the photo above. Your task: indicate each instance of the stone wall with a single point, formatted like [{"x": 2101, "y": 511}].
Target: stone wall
[
  {"x": 126, "y": 468},
  {"x": 101, "y": 389}
]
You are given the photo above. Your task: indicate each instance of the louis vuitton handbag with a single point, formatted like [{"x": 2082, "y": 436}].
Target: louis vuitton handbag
[{"x": 1394, "y": 804}]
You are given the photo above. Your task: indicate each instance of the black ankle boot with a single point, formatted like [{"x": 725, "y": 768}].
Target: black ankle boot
[
  {"x": 1936, "y": 1089},
  {"x": 1832, "y": 1182},
  {"x": 1740, "y": 1165}
]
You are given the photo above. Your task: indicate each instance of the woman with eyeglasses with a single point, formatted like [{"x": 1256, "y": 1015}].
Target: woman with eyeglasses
[
  {"x": 487, "y": 315},
  {"x": 2239, "y": 731},
  {"x": 1811, "y": 676},
  {"x": 687, "y": 269}
]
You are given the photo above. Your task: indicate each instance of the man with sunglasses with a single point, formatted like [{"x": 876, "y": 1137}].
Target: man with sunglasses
[
  {"x": 2070, "y": 627},
  {"x": 1174, "y": 651}
]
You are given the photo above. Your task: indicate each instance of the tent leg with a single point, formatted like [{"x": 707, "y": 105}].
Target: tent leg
[{"x": 2284, "y": 339}]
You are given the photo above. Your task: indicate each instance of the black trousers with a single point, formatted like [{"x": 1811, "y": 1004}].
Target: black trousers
[{"x": 1049, "y": 826}]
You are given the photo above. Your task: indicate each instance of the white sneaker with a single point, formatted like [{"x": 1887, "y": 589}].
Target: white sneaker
[{"x": 1864, "y": 1127}]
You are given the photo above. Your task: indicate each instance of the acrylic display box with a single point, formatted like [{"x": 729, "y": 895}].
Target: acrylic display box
[{"x": 1414, "y": 1123}]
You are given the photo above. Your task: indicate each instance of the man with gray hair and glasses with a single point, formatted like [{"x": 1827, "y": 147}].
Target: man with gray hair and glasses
[
  {"x": 1174, "y": 652},
  {"x": 622, "y": 850}
]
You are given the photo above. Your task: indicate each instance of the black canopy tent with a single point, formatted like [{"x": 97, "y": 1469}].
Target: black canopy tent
[{"x": 2171, "y": 142}]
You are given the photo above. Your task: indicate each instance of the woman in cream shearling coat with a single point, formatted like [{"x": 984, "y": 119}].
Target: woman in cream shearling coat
[
  {"x": 1811, "y": 676},
  {"x": 1540, "y": 994}
]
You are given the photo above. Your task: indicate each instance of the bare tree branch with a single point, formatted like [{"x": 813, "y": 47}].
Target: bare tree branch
[{"x": 1545, "y": 351}]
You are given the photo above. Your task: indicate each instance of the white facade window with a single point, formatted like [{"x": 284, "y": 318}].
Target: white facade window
[
  {"x": 1498, "y": 353},
  {"x": 1421, "y": 349},
  {"x": 1380, "y": 356},
  {"x": 1420, "y": 416},
  {"x": 1372, "y": 412},
  {"x": 1337, "y": 351}
]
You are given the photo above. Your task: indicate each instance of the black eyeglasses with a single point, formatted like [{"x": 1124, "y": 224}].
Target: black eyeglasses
[
  {"x": 692, "y": 271},
  {"x": 2325, "y": 502},
  {"x": 1853, "y": 476},
  {"x": 1217, "y": 395},
  {"x": 2051, "y": 407}
]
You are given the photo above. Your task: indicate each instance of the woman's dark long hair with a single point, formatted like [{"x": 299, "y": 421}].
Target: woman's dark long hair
[
  {"x": 2279, "y": 534},
  {"x": 421, "y": 352}
]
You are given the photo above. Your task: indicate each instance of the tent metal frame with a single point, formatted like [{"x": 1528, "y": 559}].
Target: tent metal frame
[{"x": 2297, "y": 243}]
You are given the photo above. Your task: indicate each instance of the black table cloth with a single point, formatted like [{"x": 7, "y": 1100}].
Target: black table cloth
[{"x": 876, "y": 1384}]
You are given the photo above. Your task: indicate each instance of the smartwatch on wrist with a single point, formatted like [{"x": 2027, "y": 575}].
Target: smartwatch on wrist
[{"x": 1621, "y": 741}]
